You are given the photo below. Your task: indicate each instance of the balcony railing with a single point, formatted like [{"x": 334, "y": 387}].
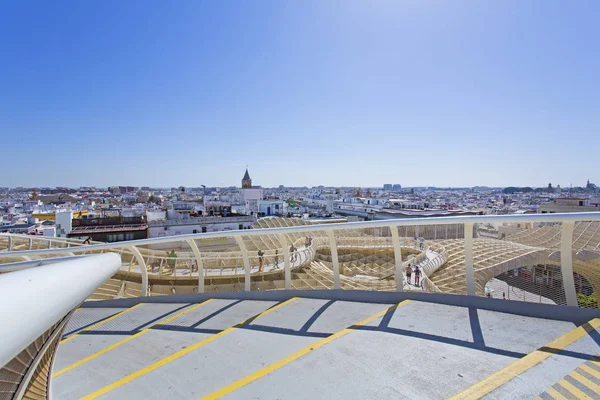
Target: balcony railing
[{"x": 550, "y": 257}]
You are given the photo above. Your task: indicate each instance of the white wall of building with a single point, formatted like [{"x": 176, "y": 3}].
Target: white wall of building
[{"x": 64, "y": 223}]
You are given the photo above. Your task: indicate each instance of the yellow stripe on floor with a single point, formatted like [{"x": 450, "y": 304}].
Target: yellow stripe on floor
[
  {"x": 89, "y": 328},
  {"x": 178, "y": 354},
  {"x": 513, "y": 370},
  {"x": 590, "y": 371},
  {"x": 284, "y": 361},
  {"x": 127, "y": 339},
  {"x": 573, "y": 390},
  {"x": 585, "y": 381},
  {"x": 555, "y": 394}
]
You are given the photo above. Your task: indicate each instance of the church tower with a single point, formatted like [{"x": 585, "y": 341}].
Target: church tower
[{"x": 246, "y": 181}]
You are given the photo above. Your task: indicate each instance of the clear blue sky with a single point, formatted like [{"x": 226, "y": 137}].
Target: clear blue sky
[{"x": 165, "y": 93}]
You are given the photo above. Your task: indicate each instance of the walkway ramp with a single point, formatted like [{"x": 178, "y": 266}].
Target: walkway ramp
[{"x": 331, "y": 348}]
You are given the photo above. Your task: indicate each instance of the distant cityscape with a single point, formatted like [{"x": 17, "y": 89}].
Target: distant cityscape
[{"x": 120, "y": 213}]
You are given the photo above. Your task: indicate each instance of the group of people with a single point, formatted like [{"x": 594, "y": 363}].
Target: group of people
[
  {"x": 409, "y": 273},
  {"x": 293, "y": 256}
]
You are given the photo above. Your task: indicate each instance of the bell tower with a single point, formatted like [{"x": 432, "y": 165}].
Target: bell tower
[{"x": 246, "y": 181}]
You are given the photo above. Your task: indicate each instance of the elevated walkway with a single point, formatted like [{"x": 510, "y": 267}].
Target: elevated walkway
[{"x": 326, "y": 344}]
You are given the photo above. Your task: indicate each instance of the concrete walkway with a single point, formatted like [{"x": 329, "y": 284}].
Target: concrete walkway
[{"x": 311, "y": 348}]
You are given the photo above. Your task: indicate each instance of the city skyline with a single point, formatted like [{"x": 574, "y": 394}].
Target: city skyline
[
  {"x": 378, "y": 186},
  {"x": 335, "y": 93}
]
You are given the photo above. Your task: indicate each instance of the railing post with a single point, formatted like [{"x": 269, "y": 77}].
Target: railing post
[
  {"x": 30, "y": 243},
  {"x": 398, "y": 258},
  {"x": 10, "y": 243},
  {"x": 246, "y": 260},
  {"x": 469, "y": 270},
  {"x": 143, "y": 270},
  {"x": 566, "y": 263},
  {"x": 334, "y": 259},
  {"x": 287, "y": 273},
  {"x": 199, "y": 264}
]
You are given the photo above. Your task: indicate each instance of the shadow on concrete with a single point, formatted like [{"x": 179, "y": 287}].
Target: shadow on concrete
[
  {"x": 478, "y": 342},
  {"x": 549, "y": 311},
  {"x": 592, "y": 333},
  {"x": 130, "y": 332},
  {"x": 476, "y": 328},
  {"x": 316, "y": 316},
  {"x": 74, "y": 331}
]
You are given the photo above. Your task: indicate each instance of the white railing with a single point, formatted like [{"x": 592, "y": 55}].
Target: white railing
[
  {"x": 37, "y": 298},
  {"x": 332, "y": 236}
]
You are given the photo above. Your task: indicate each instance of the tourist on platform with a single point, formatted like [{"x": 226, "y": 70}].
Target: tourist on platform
[
  {"x": 417, "y": 276},
  {"x": 292, "y": 253},
  {"x": 260, "y": 260},
  {"x": 172, "y": 261},
  {"x": 409, "y": 274},
  {"x": 276, "y": 258}
]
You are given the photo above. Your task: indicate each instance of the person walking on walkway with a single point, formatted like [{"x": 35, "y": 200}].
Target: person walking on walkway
[
  {"x": 172, "y": 261},
  {"x": 409, "y": 274},
  {"x": 292, "y": 253},
  {"x": 417, "y": 276},
  {"x": 276, "y": 258},
  {"x": 260, "y": 260}
]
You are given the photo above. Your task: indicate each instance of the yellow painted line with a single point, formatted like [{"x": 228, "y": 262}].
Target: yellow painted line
[
  {"x": 513, "y": 370},
  {"x": 127, "y": 339},
  {"x": 89, "y": 328},
  {"x": 179, "y": 354},
  {"x": 573, "y": 390},
  {"x": 590, "y": 371},
  {"x": 284, "y": 361},
  {"x": 556, "y": 394},
  {"x": 585, "y": 381}
]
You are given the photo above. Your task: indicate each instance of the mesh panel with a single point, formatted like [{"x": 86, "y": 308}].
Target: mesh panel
[{"x": 13, "y": 373}]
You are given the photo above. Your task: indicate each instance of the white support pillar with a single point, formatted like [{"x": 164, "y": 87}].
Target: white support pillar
[
  {"x": 287, "y": 273},
  {"x": 398, "y": 258},
  {"x": 10, "y": 243},
  {"x": 199, "y": 264},
  {"x": 30, "y": 243},
  {"x": 566, "y": 263},
  {"x": 334, "y": 259},
  {"x": 469, "y": 270},
  {"x": 246, "y": 260},
  {"x": 143, "y": 269}
]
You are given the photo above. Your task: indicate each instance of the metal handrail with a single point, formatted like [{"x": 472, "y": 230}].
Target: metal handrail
[
  {"x": 334, "y": 236},
  {"x": 35, "y": 303}
]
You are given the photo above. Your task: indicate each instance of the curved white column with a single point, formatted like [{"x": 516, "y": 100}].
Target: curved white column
[
  {"x": 334, "y": 259},
  {"x": 246, "y": 260},
  {"x": 397, "y": 258},
  {"x": 196, "y": 252},
  {"x": 143, "y": 269},
  {"x": 469, "y": 270},
  {"x": 566, "y": 263},
  {"x": 287, "y": 273}
]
